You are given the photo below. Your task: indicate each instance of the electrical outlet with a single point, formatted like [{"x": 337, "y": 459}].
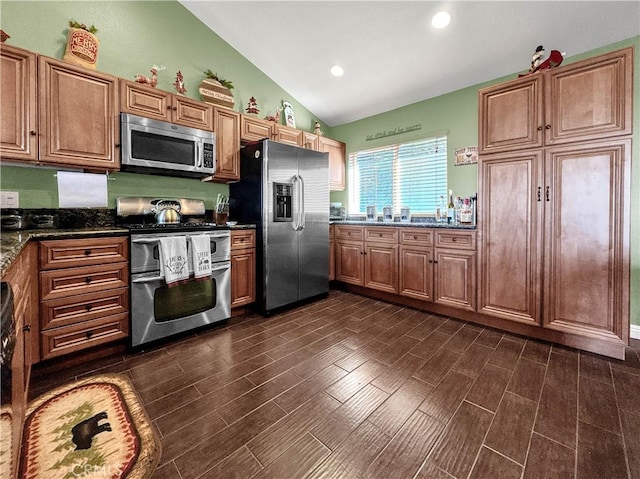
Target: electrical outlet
[{"x": 9, "y": 199}]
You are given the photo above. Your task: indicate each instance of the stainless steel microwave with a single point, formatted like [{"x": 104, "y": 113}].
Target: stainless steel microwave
[{"x": 163, "y": 148}]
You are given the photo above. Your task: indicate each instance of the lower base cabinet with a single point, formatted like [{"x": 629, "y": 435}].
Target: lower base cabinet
[
  {"x": 243, "y": 267},
  {"x": 84, "y": 293}
]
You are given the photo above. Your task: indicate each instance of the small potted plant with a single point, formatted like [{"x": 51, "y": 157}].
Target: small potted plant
[
  {"x": 216, "y": 91},
  {"x": 82, "y": 45}
]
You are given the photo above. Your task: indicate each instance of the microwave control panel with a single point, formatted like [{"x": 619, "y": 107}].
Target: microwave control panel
[{"x": 207, "y": 155}]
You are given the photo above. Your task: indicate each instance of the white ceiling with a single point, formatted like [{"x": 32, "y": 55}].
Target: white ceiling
[{"x": 391, "y": 54}]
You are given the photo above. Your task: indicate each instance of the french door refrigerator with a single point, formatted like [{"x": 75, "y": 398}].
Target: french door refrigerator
[{"x": 284, "y": 191}]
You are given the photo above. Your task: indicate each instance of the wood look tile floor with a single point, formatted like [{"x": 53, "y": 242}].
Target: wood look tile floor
[{"x": 350, "y": 387}]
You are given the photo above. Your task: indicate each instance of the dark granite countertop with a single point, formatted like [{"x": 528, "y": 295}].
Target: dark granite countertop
[{"x": 413, "y": 224}]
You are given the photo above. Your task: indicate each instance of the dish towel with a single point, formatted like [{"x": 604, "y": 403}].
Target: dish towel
[
  {"x": 201, "y": 255},
  {"x": 173, "y": 259}
]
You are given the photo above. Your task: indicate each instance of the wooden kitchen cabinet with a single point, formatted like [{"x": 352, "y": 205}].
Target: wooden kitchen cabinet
[
  {"x": 439, "y": 266},
  {"x": 149, "y": 102},
  {"x": 337, "y": 170},
  {"x": 310, "y": 141},
  {"x": 349, "y": 254},
  {"x": 256, "y": 129},
  {"x": 243, "y": 267},
  {"x": 565, "y": 263},
  {"x": 226, "y": 125},
  {"x": 84, "y": 293},
  {"x": 288, "y": 135},
  {"x": 586, "y": 100},
  {"x": 18, "y": 120},
  {"x": 78, "y": 116},
  {"x": 381, "y": 258}
]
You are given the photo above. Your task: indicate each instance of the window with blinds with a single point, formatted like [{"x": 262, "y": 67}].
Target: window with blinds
[{"x": 409, "y": 174}]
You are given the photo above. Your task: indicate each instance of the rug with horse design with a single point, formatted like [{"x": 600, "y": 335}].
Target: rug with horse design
[{"x": 93, "y": 428}]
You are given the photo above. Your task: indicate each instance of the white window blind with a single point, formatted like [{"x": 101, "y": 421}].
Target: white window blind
[{"x": 409, "y": 174}]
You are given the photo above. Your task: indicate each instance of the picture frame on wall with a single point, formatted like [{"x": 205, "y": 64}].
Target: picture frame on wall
[{"x": 466, "y": 156}]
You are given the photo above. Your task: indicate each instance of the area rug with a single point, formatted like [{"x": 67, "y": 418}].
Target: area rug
[{"x": 94, "y": 428}]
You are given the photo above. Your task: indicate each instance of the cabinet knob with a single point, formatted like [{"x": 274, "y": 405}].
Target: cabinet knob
[
  {"x": 32, "y": 133},
  {"x": 168, "y": 107},
  {"x": 88, "y": 334},
  {"x": 87, "y": 252},
  {"x": 547, "y": 127},
  {"x": 88, "y": 307},
  {"x": 117, "y": 145},
  {"x": 349, "y": 233},
  {"x": 430, "y": 261},
  {"x": 27, "y": 328},
  {"x": 88, "y": 279},
  {"x": 380, "y": 235},
  {"x": 454, "y": 239},
  {"x": 540, "y": 128},
  {"x": 175, "y": 108},
  {"x": 415, "y": 237},
  {"x": 435, "y": 261}
]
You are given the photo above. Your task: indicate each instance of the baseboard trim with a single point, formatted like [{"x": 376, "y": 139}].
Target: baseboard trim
[{"x": 635, "y": 331}]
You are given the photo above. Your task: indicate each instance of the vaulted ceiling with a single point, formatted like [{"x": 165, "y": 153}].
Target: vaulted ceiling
[{"x": 391, "y": 54}]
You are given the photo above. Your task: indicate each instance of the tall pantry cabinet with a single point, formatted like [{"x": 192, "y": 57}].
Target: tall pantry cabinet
[{"x": 554, "y": 192}]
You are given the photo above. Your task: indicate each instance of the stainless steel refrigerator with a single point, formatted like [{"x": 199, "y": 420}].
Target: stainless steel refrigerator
[{"x": 284, "y": 190}]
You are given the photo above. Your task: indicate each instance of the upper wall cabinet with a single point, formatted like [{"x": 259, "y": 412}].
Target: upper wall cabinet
[
  {"x": 590, "y": 99},
  {"x": 255, "y": 129},
  {"x": 288, "y": 135},
  {"x": 78, "y": 116},
  {"x": 149, "y": 102},
  {"x": 336, "y": 150},
  {"x": 226, "y": 125},
  {"x": 18, "y": 135}
]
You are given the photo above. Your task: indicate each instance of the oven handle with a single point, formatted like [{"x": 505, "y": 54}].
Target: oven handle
[
  {"x": 161, "y": 278},
  {"x": 146, "y": 240}
]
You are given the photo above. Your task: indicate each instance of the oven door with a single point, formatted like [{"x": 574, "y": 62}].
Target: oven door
[{"x": 159, "y": 311}]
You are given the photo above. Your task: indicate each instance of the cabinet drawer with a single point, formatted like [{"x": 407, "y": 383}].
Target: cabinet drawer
[
  {"x": 381, "y": 235},
  {"x": 416, "y": 236},
  {"x": 456, "y": 239},
  {"x": 69, "y": 339},
  {"x": 83, "y": 307},
  {"x": 82, "y": 252},
  {"x": 58, "y": 283},
  {"x": 352, "y": 233},
  {"x": 241, "y": 239}
]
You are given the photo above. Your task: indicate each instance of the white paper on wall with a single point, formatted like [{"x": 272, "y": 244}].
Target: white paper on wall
[{"x": 81, "y": 190}]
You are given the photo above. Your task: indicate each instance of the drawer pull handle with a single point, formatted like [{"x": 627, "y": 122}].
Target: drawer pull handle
[
  {"x": 89, "y": 334},
  {"x": 88, "y": 279},
  {"x": 88, "y": 307},
  {"x": 27, "y": 328},
  {"x": 415, "y": 237},
  {"x": 87, "y": 252}
]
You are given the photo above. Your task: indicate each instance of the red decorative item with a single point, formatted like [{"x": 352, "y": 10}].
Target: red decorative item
[
  {"x": 151, "y": 81},
  {"x": 555, "y": 59},
  {"x": 4, "y": 36},
  {"x": 252, "y": 107},
  {"x": 179, "y": 83},
  {"x": 276, "y": 117}
]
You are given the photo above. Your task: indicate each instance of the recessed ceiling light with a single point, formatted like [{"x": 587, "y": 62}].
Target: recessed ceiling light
[
  {"x": 337, "y": 71},
  {"x": 441, "y": 19}
]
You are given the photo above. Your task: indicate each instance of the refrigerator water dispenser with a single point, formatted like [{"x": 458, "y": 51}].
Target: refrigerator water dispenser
[{"x": 282, "y": 202}]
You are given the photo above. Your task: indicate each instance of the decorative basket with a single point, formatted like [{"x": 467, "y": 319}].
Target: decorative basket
[
  {"x": 82, "y": 48},
  {"x": 214, "y": 93}
]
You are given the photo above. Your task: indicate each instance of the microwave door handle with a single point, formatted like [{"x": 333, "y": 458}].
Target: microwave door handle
[{"x": 198, "y": 156}]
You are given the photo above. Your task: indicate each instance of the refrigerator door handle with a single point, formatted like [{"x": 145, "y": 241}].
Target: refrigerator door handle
[
  {"x": 296, "y": 204},
  {"x": 303, "y": 221}
]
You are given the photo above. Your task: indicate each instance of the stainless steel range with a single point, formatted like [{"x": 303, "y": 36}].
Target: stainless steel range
[{"x": 162, "y": 306}]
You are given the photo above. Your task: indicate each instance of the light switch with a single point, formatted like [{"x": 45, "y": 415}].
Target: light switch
[{"x": 9, "y": 199}]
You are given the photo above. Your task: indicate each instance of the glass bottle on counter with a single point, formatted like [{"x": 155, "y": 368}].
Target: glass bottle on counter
[
  {"x": 441, "y": 216},
  {"x": 466, "y": 213},
  {"x": 451, "y": 209}
]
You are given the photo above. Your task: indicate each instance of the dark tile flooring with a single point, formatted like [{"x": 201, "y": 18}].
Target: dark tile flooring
[{"x": 350, "y": 387}]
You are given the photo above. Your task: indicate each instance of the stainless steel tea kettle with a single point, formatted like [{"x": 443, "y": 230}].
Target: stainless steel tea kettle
[{"x": 167, "y": 212}]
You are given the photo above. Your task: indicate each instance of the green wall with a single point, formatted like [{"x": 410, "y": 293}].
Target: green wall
[
  {"x": 133, "y": 36},
  {"x": 456, "y": 113}
]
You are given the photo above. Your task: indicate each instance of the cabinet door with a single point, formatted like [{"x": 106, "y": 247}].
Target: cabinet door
[
  {"x": 510, "y": 115},
  {"x": 591, "y": 99},
  {"x": 416, "y": 272},
  {"x": 290, "y": 136},
  {"x": 243, "y": 277},
  {"x": 78, "y": 116},
  {"x": 510, "y": 193},
  {"x": 255, "y": 129},
  {"x": 310, "y": 141},
  {"x": 381, "y": 267},
  {"x": 332, "y": 260},
  {"x": 350, "y": 262},
  {"x": 336, "y": 150},
  {"x": 18, "y": 129},
  {"x": 587, "y": 240},
  {"x": 227, "y": 129},
  {"x": 145, "y": 101},
  {"x": 192, "y": 113},
  {"x": 455, "y": 278}
]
